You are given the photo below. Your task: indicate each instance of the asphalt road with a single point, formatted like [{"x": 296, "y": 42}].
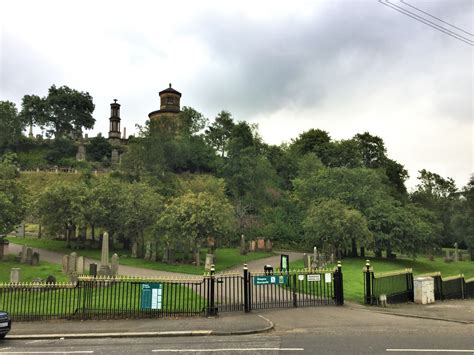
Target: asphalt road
[{"x": 305, "y": 331}]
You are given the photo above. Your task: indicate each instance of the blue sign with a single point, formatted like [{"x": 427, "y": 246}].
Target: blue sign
[
  {"x": 152, "y": 296},
  {"x": 270, "y": 280}
]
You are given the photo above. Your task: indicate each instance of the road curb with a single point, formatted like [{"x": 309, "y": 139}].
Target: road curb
[
  {"x": 414, "y": 316},
  {"x": 179, "y": 333}
]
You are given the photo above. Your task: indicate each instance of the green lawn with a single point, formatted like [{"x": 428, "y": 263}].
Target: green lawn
[
  {"x": 226, "y": 258},
  {"x": 353, "y": 277},
  {"x": 28, "y": 272}
]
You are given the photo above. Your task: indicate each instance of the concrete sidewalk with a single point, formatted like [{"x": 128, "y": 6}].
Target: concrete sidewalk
[
  {"x": 224, "y": 324},
  {"x": 459, "y": 311}
]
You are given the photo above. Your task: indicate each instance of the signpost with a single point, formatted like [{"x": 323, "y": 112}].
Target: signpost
[
  {"x": 270, "y": 280},
  {"x": 152, "y": 296},
  {"x": 284, "y": 263}
]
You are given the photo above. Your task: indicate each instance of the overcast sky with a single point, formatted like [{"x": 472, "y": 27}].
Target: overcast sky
[{"x": 342, "y": 66}]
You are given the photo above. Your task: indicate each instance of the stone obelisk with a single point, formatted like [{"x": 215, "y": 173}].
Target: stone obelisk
[{"x": 104, "y": 269}]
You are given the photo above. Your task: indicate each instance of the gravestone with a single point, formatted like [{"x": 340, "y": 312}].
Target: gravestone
[
  {"x": 71, "y": 269},
  {"x": 29, "y": 255},
  {"x": 268, "y": 245},
  {"x": 114, "y": 265},
  {"x": 15, "y": 275},
  {"x": 23, "y": 254},
  {"x": 447, "y": 258},
  {"x": 21, "y": 230},
  {"x": 65, "y": 264},
  {"x": 209, "y": 262},
  {"x": 134, "y": 250},
  {"x": 35, "y": 259},
  {"x": 456, "y": 253},
  {"x": 115, "y": 156},
  {"x": 80, "y": 265},
  {"x": 104, "y": 269},
  {"x": 51, "y": 279},
  {"x": 252, "y": 245},
  {"x": 261, "y": 244},
  {"x": 243, "y": 245},
  {"x": 93, "y": 269},
  {"x": 305, "y": 261},
  {"x": 147, "y": 251}
]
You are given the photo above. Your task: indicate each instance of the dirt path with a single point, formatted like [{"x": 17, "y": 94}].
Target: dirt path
[{"x": 56, "y": 258}]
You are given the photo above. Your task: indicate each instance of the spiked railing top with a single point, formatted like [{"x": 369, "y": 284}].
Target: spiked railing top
[{"x": 393, "y": 273}]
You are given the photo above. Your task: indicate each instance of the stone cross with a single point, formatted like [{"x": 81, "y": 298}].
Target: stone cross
[{"x": 15, "y": 275}]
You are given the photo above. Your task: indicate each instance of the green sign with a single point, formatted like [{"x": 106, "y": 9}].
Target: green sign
[
  {"x": 270, "y": 280},
  {"x": 151, "y": 296}
]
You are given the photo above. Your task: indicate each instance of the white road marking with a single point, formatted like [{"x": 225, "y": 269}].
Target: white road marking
[
  {"x": 224, "y": 349},
  {"x": 49, "y": 352},
  {"x": 432, "y": 350}
]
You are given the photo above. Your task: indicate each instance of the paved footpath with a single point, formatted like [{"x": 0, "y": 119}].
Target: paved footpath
[{"x": 56, "y": 258}]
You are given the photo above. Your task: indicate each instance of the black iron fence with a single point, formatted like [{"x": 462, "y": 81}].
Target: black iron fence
[
  {"x": 397, "y": 286},
  {"x": 130, "y": 297}
]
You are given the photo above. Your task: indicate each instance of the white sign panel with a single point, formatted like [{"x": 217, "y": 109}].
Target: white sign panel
[
  {"x": 314, "y": 278},
  {"x": 327, "y": 277},
  {"x": 301, "y": 277}
]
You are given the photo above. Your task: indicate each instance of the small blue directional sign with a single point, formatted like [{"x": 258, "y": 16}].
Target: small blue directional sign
[
  {"x": 270, "y": 280},
  {"x": 151, "y": 296}
]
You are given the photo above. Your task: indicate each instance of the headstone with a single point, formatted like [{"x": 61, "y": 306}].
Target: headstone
[
  {"x": 447, "y": 258},
  {"x": 80, "y": 264},
  {"x": 261, "y": 244},
  {"x": 15, "y": 275},
  {"x": 65, "y": 264},
  {"x": 243, "y": 245},
  {"x": 456, "y": 253},
  {"x": 114, "y": 265},
  {"x": 29, "y": 255},
  {"x": 51, "y": 279},
  {"x": 268, "y": 245},
  {"x": 305, "y": 261},
  {"x": 35, "y": 259},
  {"x": 209, "y": 262},
  {"x": 71, "y": 270},
  {"x": 23, "y": 254},
  {"x": 147, "y": 251},
  {"x": 93, "y": 269},
  {"x": 134, "y": 249},
  {"x": 21, "y": 230},
  {"x": 104, "y": 269},
  {"x": 252, "y": 245}
]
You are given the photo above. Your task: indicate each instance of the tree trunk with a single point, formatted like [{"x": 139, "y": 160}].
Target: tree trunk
[
  {"x": 39, "y": 231},
  {"x": 362, "y": 251},
  {"x": 354, "y": 248},
  {"x": 2, "y": 249},
  {"x": 378, "y": 253},
  {"x": 93, "y": 232},
  {"x": 197, "y": 256},
  {"x": 68, "y": 242}
]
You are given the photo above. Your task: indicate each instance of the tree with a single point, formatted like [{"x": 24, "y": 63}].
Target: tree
[
  {"x": 11, "y": 124},
  {"x": 313, "y": 141},
  {"x": 218, "y": 134},
  {"x": 13, "y": 200},
  {"x": 331, "y": 223},
  {"x": 60, "y": 207},
  {"x": 193, "y": 217},
  {"x": 64, "y": 111},
  {"x": 191, "y": 121},
  {"x": 99, "y": 149}
]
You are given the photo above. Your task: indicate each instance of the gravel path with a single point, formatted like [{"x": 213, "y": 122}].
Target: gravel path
[{"x": 56, "y": 258}]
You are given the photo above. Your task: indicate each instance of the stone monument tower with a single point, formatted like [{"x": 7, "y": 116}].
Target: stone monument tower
[
  {"x": 169, "y": 104},
  {"x": 114, "y": 130}
]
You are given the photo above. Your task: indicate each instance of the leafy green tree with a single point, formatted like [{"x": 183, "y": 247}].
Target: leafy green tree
[
  {"x": 332, "y": 223},
  {"x": 11, "y": 124},
  {"x": 218, "y": 134},
  {"x": 313, "y": 141},
  {"x": 60, "y": 207},
  {"x": 191, "y": 121},
  {"x": 13, "y": 200},
  {"x": 63, "y": 111},
  {"x": 193, "y": 217},
  {"x": 99, "y": 149},
  {"x": 61, "y": 148}
]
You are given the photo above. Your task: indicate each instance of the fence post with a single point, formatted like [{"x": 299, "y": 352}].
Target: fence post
[
  {"x": 246, "y": 289},
  {"x": 410, "y": 286},
  {"x": 368, "y": 283},
  {"x": 338, "y": 285},
  {"x": 295, "y": 298},
  {"x": 462, "y": 281},
  {"x": 212, "y": 309}
]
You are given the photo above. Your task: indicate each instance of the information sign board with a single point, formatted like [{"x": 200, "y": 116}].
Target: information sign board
[
  {"x": 151, "y": 296},
  {"x": 270, "y": 280}
]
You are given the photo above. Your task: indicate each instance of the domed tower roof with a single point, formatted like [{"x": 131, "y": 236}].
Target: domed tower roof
[{"x": 169, "y": 103}]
